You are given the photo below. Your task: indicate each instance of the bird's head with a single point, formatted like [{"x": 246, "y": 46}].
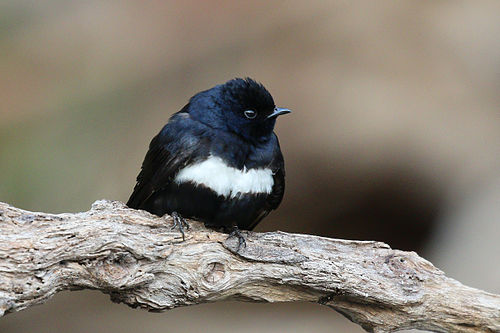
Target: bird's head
[{"x": 241, "y": 106}]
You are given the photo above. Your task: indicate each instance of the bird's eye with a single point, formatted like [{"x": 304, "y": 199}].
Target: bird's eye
[{"x": 250, "y": 114}]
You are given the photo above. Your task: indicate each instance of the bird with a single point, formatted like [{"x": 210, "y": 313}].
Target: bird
[{"x": 217, "y": 161}]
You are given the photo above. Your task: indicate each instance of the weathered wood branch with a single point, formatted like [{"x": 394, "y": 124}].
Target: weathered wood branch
[{"x": 137, "y": 259}]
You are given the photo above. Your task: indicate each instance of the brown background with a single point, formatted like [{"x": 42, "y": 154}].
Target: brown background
[{"x": 395, "y": 132}]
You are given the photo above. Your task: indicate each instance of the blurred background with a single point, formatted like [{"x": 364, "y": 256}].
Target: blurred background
[{"x": 395, "y": 133}]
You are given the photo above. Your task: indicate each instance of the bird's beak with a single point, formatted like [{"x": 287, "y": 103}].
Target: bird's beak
[{"x": 278, "y": 112}]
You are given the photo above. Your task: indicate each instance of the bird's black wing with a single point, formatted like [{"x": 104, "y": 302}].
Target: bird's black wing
[
  {"x": 273, "y": 200},
  {"x": 173, "y": 148}
]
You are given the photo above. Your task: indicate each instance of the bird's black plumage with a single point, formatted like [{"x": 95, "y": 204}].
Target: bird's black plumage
[{"x": 216, "y": 160}]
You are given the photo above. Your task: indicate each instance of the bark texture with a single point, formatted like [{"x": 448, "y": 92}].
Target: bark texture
[{"x": 137, "y": 259}]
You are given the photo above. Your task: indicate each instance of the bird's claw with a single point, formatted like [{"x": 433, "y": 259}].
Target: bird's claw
[
  {"x": 241, "y": 239},
  {"x": 180, "y": 223}
]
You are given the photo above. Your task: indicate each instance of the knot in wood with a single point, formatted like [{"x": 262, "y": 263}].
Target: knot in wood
[
  {"x": 216, "y": 272},
  {"x": 406, "y": 270},
  {"x": 114, "y": 271}
]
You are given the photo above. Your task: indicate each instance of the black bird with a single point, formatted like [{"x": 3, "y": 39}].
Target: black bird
[{"x": 217, "y": 160}]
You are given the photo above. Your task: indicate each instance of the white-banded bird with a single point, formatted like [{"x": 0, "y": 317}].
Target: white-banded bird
[{"x": 217, "y": 160}]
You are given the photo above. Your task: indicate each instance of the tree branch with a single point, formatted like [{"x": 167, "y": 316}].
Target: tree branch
[{"x": 137, "y": 259}]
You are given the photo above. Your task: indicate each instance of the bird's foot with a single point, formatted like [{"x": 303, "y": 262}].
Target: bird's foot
[
  {"x": 235, "y": 232},
  {"x": 180, "y": 223}
]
